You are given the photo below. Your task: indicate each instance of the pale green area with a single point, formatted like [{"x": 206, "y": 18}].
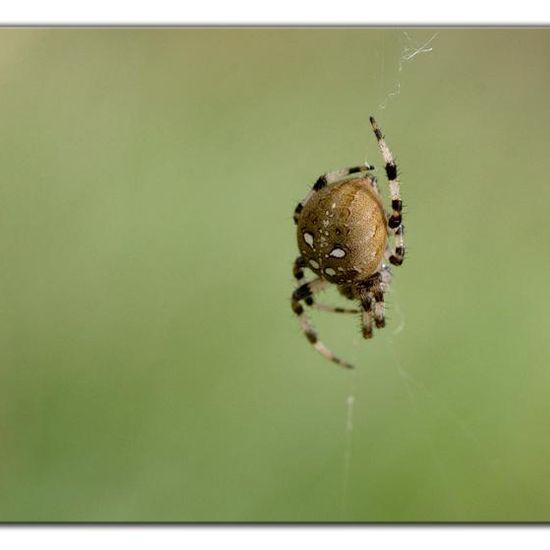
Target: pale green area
[{"x": 150, "y": 365}]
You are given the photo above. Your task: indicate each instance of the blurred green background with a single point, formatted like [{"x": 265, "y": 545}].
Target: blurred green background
[{"x": 150, "y": 366}]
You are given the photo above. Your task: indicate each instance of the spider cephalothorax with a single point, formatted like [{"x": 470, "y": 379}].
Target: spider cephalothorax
[{"x": 343, "y": 232}]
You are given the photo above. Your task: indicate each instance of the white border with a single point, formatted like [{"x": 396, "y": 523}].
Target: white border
[
  {"x": 275, "y": 538},
  {"x": 282, "y": 12}
]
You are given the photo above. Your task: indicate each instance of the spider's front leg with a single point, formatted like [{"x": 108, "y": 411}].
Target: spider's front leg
[
  {"x": 327, "y": 179},
  {"x": 395, "y": 220},
  {"x": 302, "y": 293},
  {"x": 397, "y": 254}
]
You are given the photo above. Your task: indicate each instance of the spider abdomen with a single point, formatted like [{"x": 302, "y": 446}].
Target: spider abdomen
[{"x": 342, "y": 231}]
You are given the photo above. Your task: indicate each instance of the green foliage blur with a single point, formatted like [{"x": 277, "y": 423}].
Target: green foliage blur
[{"x": 151, "y": 368}]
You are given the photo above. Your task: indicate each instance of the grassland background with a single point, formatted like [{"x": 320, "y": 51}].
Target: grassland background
[{"x": 150, "y": 365}]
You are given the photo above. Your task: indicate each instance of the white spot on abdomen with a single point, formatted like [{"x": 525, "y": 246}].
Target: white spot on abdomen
[
  {"x": 330, "y": 271},
  {"x": 314, "y": 264},
  {"x": 308, "y": 237},
  {"x": 337, "y": 253}
]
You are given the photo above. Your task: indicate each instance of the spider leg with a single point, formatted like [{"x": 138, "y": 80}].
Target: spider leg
[
  {"x": 327, "y": 179},
  {"x": 371, "y": 294},
  {"x": 298, "y": 271},
  {"x": 366, "y": 319},
  {"x": 301, "y": 294},
  {"x": 395, "y": 220},
  {"x": 378, "y": 295},
  {"x": 298, "y": 268},
  {"x": 398, "y": 252}
]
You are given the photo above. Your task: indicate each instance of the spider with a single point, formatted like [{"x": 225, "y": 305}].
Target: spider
[{"x": 343, "y": 234}]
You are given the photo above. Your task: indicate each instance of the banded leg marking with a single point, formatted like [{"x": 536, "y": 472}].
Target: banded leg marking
[
  {"x": 371, "y": 294},
  {"x": 379, "y": 319},
  {"x": 366, "y": 320},
  {"x": 395, "y": 218},
  {"x": 298, "y": 271},
  {"x": 391, "y": 173},
  {"x": 398, "y": 252},
  {"x": 298, "y": 268}
]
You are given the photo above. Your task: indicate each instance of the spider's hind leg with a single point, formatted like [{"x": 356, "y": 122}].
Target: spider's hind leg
[{"x": 301, "y": 294}]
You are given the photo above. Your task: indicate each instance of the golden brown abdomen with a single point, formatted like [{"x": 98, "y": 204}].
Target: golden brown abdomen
[{"x": 342, "y": 231}]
